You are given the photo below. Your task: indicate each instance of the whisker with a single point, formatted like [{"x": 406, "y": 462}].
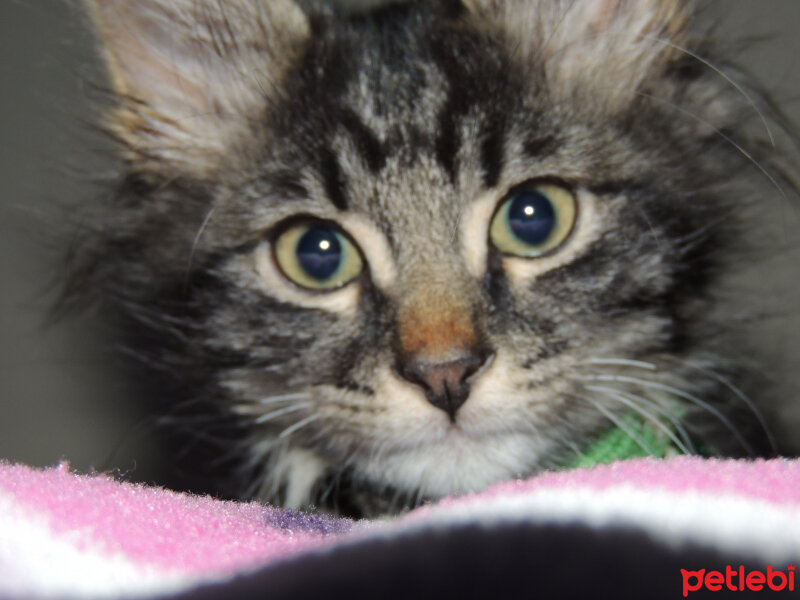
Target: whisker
[
  {"x": 297, "y": 426},
  {"x": 744, "y": 398},
  {"x": 725, "y": 76},
  {"x": 621, "y": 425},
  {"x": 645, "y": 413},
  {"x": 334, "y": 483},
  {"x": 270, "y": 416},
  {"x": 623, "y": 362},
  {"x": 255, "y": 407},
  {"x": 722, "y": 135},
  {"x": 418, "y": 497},
  {"x": 673, "y": 419},
  {"x": 196, "y": 242},
  {"x": 710, "y": 373},
  {"x": 687, "y": 242},
  {"x": 681, "y": 394},
  {"x": 285, "y": 397}
]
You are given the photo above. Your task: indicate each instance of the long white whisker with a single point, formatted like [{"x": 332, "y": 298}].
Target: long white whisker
[
  {"x": 681, "y": 394},
  {"x": 270, "y": 416},
  {"x": 642, "y": 411},
  {"x": 196, "y": 241},
  {"x": 724, "y": 136},
  {"x": 725, "y": 76},
  {"x": 297, "y": 426},
  {"x": 284, "y": 398},
  {"x": 666, "y": 413},
  {"x": 714, "y": 375},
  {"x": 620, "y": 424},
  {"x": 744, "y": 398},
  {"x": 621, "y": 362},
  {"x": 255, "y": 407}
]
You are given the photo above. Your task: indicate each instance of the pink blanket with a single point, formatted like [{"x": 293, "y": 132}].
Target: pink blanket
[{"x": 685, "y": 520}]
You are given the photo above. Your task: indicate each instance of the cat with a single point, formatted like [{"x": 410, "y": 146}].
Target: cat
[{"x": 405, "y": 251}]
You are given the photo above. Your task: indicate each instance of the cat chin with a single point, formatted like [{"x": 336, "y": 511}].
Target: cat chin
[
  {"x": 428, "y": 456},
  {"x": 457, "y": 463}
]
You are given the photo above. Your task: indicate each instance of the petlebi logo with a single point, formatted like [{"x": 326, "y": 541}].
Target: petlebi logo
[{"x": 738, "y": 580}]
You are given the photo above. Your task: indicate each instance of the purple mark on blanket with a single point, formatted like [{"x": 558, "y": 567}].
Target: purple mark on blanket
[{"x": 289, "y": 520}]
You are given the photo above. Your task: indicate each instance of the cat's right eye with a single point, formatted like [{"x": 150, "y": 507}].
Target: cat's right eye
[{"x": 317, "y": 256}]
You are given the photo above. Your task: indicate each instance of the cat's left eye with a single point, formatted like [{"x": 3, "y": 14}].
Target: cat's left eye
[
  {"x": 317, "y": 256},
  {"x": 533, "y": 219}
]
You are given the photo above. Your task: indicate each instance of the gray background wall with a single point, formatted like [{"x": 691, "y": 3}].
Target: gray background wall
[{"x": 58, "y": 395}]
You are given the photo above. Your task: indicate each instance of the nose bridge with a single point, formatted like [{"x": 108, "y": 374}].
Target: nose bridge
[
  {"x": 435, "y": 318},
  {"x": 436, "y": 326}
]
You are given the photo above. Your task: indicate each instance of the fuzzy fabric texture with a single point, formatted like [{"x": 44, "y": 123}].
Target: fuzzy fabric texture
[{"x": 68, "y": 535}]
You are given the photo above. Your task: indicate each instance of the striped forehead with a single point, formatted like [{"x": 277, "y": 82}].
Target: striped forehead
[
  {"x": 402, "y": 124},
  {"x": 406, "y": 105},
  {"x": 399, "y": 108},
  {"x": 393, "y": 163}
]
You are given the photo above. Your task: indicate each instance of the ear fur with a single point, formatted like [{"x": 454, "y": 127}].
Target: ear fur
[
  {"x": 190, "y": 73},
  {"x": 590, "y": 45}
]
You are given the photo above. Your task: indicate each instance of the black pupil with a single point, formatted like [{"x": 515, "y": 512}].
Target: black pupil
[
  {"x": 319, "y": 252},
  {"x": 531, "y": 217}
]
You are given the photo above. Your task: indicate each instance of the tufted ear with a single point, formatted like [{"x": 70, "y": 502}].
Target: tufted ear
[
  {"x": 590, "y": 44},
  {"x": 191, "y": 74}
]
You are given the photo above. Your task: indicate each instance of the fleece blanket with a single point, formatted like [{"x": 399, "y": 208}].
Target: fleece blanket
[{"x": 643, "y": 528}]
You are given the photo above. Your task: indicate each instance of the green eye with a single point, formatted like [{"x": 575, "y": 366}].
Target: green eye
[
  {"x": 317, "y": 256},
  {"x": 533, "y": 220}
]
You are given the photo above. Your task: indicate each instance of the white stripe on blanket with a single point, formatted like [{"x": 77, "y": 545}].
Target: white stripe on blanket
[
  {"x": 751, "y": 527},
  {"x": 36, "y": 561}
]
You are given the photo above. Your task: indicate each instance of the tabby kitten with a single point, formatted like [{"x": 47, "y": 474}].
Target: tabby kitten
[{"x": 413, "y": 250}]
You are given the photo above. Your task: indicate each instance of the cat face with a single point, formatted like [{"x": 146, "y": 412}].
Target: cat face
[{"x": 430, "y": 247}]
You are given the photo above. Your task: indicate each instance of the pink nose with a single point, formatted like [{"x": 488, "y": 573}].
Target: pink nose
[{"x": 446, "y": 385}]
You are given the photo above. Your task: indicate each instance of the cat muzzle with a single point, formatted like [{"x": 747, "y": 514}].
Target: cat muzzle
[{"x": 446, "y": 385}]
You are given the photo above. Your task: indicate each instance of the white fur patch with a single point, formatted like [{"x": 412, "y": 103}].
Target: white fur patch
[{"x": 302, "y": 469}]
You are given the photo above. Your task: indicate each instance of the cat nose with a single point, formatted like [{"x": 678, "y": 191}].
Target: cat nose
[{"x": 446, "y": 385}]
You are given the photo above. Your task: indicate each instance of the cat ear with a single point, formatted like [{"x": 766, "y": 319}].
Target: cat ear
[
  {"x": 191, "y": 74},
  {"x": 609, "y": 46}
]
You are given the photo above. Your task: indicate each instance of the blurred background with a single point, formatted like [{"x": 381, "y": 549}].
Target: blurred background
[{"x": 59, "y": 395}]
